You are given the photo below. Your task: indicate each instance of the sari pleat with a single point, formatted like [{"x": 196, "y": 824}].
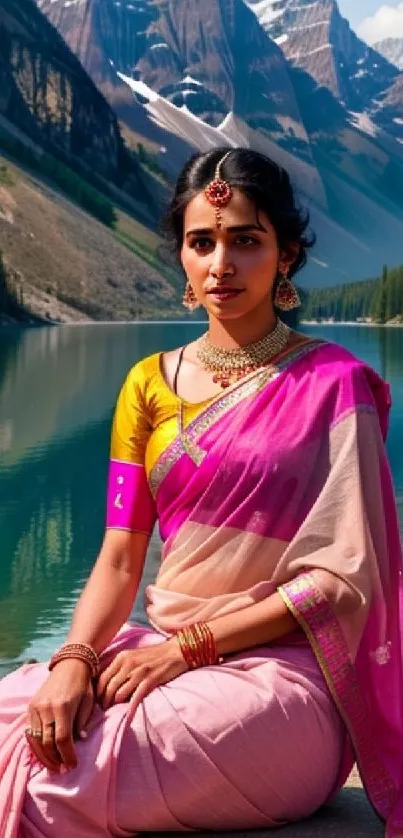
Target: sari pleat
[{"x": 205, "y": 751}]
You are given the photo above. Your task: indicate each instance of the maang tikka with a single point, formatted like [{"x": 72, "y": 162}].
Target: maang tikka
[{"x": 219, "y": 192}]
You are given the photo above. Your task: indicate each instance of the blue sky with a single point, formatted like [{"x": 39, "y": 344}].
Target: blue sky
[
  {"x": 356, "y": 10},
  {"x": 389, "y": 16}
]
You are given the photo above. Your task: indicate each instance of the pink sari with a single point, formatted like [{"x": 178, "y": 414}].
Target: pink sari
[
  {"x": 295, "y": 494},
  {"x": 281, "y": 484}
]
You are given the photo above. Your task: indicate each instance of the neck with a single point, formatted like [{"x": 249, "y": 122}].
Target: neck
[{"x": 230, "y": 334}]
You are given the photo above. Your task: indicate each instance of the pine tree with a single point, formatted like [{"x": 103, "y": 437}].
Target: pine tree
[{"x": 382, "y": 297}]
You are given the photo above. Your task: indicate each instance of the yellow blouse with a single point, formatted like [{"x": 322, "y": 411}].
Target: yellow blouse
[{"x": 146, "y": 416}]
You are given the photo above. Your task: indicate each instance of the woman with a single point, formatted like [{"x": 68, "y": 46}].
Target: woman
[{"x": 275, "y": 654}]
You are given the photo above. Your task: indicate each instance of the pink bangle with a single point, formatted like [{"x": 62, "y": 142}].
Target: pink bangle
[{"x": 79, "y": 651}]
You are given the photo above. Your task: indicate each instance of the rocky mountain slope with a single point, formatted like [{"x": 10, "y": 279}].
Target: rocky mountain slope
[
  {"x": 108, "y": 37},
  {"x": 392, "y": 50},
  {"x": 65, "y": 265},
  {"x": 46, "y": 94},
  {"x": 199, "y": 59},
  {"x": 57, "y": 261},
  {"x": 315, "y": 37},
  {"x": 192, "y": 59}
]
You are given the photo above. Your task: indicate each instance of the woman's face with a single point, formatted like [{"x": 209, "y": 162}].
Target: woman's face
[{"x": 232, "y": 269}]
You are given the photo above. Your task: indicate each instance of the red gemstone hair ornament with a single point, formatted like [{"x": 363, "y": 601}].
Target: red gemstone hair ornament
[{"x": 219, "y": 192}]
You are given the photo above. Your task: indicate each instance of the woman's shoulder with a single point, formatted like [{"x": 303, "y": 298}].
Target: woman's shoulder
[
  {"x": 143, "y": 370},
  {"x": 337, "y": 374},
  {"x": 335, "y": 361},
  {"x": 139, "y": 378}
]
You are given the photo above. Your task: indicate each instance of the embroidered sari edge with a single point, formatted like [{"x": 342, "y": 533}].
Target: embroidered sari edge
[{"x": 377, "y": 782}]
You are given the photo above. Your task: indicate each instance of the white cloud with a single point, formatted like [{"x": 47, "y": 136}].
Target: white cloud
[{"x": 387, "y": 22}]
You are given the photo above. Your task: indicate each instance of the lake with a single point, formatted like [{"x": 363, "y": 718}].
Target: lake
[{"x": 57, "y": 391}]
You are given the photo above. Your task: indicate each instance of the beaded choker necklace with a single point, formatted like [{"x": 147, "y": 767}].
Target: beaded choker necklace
[{"x": 230, "y": 365}]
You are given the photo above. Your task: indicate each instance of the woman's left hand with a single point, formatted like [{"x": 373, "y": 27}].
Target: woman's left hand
[{"x": 139, "y": 671}]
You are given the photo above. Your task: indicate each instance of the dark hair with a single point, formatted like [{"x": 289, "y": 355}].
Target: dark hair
[{"x": 261, "y": 179}]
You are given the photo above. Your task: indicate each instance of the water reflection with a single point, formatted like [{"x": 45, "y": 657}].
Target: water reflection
[
  {"x": 391, "y": 367},
  {"x": 391, "y": 354},
  {"x": 74, "y": 372},
  {"x": 51, "y": 518}
]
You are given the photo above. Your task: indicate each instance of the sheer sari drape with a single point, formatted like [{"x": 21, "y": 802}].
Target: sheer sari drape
[{"x": 294, "y": 494}]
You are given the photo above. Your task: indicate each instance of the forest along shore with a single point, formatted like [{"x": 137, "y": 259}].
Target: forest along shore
[
  {"x": 348, "y": 323},
  {"x": 374, "y": 301}
]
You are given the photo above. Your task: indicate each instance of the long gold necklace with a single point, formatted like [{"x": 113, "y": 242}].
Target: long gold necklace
[{"x": 230, "y": 365}]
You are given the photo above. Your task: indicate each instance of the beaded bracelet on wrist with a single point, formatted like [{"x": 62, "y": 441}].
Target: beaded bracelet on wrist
[{"x": 78, "y": 651}]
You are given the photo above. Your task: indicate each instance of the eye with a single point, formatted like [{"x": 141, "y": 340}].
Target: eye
[
  {"x": 247, "y": 241},
  {"x": 201, "y": 243}
]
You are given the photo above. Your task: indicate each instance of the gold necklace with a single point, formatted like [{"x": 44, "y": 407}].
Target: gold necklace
[{"x": 229, "y": 365}]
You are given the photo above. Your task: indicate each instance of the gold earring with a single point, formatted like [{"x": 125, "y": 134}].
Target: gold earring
[
  {"x": 189, "y": 299},
  {"x": 286, "y": 297}
]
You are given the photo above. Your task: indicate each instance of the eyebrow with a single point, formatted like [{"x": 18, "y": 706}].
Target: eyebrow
[{"x": 243, "y": 228}]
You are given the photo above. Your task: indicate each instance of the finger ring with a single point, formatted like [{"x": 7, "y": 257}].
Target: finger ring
[{"x": 36, "y": 734}]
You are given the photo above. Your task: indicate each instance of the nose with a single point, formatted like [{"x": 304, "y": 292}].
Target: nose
[{"x": 221, "y": 266}]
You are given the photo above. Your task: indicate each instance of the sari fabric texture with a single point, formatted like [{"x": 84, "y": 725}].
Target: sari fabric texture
[{"x": 280, "y": 484}]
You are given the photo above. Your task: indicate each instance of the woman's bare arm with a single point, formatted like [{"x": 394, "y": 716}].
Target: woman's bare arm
[
  {"x": 257, "y": 625},
  {"x": 66, "y": 698},
  {"x": 107, "y": 599},
  {"x": 138, "y": 671}
]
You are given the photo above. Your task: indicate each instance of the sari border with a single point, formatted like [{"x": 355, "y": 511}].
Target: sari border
[
  {"x": 128, "y": 529},
  {"x": 360, "y": 407},
  {"x": 186, "y": 442},
  {"x": 312, "y": 611}
]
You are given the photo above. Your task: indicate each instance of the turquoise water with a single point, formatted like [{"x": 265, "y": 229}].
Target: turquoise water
[{"x": 57, "y": 391}]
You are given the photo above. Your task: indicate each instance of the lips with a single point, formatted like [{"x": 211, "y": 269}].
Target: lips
[
  {"x": 220, "y": 296},
  {"x": 224, "y": 290}
]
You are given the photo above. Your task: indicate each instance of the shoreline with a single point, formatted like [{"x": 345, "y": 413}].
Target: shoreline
[
  {"x": 350, "y": 323},
  {"x": 6, "y": 320},
  {"x": 53, "y": 323}
]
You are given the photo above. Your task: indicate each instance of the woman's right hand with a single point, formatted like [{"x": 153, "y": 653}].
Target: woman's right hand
[{"x": 59, "y": 709}]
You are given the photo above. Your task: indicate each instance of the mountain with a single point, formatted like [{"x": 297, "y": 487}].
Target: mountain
[
  {"x": 197, "y": 63},
  {"x": 390, "y": 113},
  {"x": 198, "y": 58},
  {"x": 191, "y": 58},
  {"x": 223, "y": 72},
  {"x": 56, "y": 260},
  {"x": 47, "y": 95},
  {"x": 316, "y": 38},
  {"x": 392, "y": 50},
  {"x": 110, "y": 37}
]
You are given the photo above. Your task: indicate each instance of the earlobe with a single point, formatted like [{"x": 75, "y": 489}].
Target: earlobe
[{"x": 288, "y": 257}]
